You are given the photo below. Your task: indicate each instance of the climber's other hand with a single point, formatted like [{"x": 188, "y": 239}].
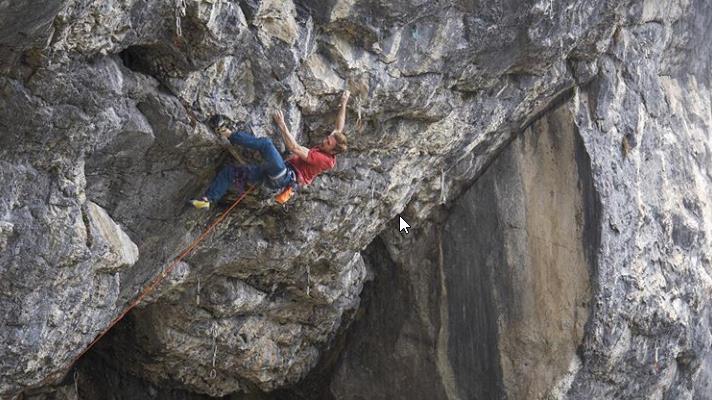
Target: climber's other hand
[{"x": 278, "y": 117}]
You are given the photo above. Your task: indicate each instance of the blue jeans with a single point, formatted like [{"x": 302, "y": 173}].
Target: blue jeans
[{"x": 272, "y": 166}]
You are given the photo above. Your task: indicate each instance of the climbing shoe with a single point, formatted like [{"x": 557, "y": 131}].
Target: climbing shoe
[{"x": 202, "y": 203}]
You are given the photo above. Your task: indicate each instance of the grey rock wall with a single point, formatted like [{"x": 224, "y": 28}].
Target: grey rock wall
[
  {"x": 645, "y": 122},
  {"x": 102, "y": 141}
]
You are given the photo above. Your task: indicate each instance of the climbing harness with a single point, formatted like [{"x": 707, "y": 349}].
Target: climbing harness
[
  {"x": 283, "y": 185},
  {"x": 284, "y": 195},
  {"x": 279, "y": 176},
  {"x": 160, "y": 277}
]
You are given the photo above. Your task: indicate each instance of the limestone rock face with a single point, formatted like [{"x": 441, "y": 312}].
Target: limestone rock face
[
  {"x": 102, "y": 140},
  {"x": 648, "y": 334}
]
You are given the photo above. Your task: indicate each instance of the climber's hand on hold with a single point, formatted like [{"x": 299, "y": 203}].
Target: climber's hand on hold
[
  {"x": 345, "y": 97},
  {"x": 278, "y": 117},
  {"x": 341, "y": 113}
]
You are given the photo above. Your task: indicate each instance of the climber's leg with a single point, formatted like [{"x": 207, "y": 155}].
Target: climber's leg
[
  {"x": 273, "y": 163},
  {"x": 221, "y": 183},
  {"x": 230, "y": 174}
]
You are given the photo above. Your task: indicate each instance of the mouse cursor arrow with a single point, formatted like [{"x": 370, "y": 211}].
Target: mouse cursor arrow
[{"x": 403, "y": 226}]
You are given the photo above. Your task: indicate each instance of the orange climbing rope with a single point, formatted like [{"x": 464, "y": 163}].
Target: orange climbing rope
[{"x": 160, "y": 277}]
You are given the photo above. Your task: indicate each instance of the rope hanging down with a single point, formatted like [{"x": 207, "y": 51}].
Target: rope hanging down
[{"x": 160, "y": 277}]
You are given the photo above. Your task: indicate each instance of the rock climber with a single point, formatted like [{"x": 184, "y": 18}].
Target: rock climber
[{"x": 275, "y": 173}]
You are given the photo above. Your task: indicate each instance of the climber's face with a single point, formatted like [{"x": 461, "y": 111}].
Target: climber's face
[{"x": 328, "y": 144}]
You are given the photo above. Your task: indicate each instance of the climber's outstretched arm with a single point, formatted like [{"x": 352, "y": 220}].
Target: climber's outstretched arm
[
  {"x": 289, "y": 141},
  {"x": 341, "y": 116}
]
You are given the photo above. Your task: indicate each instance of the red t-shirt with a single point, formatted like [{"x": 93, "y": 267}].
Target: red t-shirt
[{"x": 317, "y": 162}]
